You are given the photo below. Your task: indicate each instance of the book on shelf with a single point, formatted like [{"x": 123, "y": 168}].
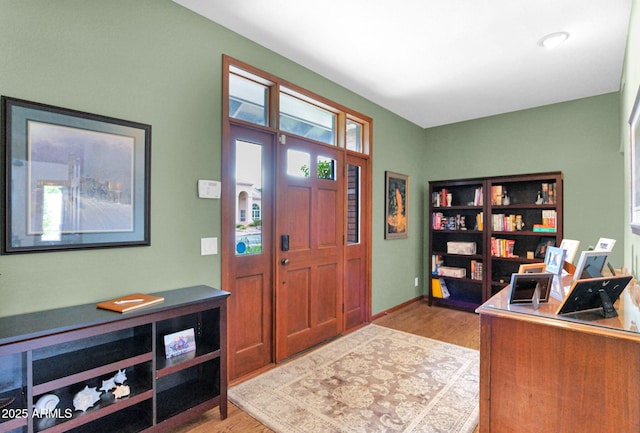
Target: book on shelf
[
  {"x": 441, "y": 222},
  {"x": 439, "y": 288},
  {"x": 442, "y": 198},
  {"x": 496, "y": 195},
  {"x": 436, "y": 261},
  {"x": 549, "y": 217},
  {"x": 476, "y": 270},
  {"x": 502, "y": 247},
  {"x": 548, "y": 192},
  {"x": 132, "y": 302},
  {"x": 436, "y": 220},
  {"x": 506, "y": 223},
  {"x": 544, "y": 228},
  {"x": 477, "y": 198}
]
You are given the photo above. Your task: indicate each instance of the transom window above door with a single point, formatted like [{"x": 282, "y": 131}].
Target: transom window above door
[
  {"x": 257, "y": 100},
  {"x": 247, "y": 100},
  {"x": 306, "y": 120}
]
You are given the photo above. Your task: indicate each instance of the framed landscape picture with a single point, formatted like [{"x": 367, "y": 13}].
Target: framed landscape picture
[
  {"x": 72, "y": 180},
  {"x": 397, "y": 206}
]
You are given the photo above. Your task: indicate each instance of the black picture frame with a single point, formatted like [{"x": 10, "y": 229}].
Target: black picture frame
[
  {"x": 541, "y": 249},
  {"x": 396, "y": 224},
  {"x": 73, "y": 180},
  {"x": 584, "y": 295},
  {"x": 523, "y": 287}
]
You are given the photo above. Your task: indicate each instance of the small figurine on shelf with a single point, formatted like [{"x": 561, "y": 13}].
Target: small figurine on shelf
[
  {"x": 120, "y": 377},
  {"x": 108, "y": 385},
  {"x": 121, "y": 391},
  {"x": 539, "y": 199},
  {"x": 505, "y": 199},
  {"x": 86, "y": 398},
  {"x": 519, "y": 223}
]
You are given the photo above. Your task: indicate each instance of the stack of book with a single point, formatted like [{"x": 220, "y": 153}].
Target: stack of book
[
  {"x": 549, "y": 222},
  {"x": 548, "y": 193},
  {"x": 441, "y": 222},
  {"x": 502, "y": 247},
  {"x": 436, "y": 261},
  {"x": 476, "y": 270},
  {"x": 441, "y": 198},
  {"x": 503, "y": 223}
]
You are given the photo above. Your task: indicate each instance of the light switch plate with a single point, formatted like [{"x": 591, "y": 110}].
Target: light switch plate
[
  {"x": 209, "y": 188},
  {"x": 208, "y": 246}
]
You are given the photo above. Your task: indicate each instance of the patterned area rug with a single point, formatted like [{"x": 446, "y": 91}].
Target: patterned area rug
[{"x": 373, "y": 380}]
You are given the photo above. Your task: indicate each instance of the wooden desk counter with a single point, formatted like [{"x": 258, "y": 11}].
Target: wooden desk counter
[{"x": 540, "y": 372}]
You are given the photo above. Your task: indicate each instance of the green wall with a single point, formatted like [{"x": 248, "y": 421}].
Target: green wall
[
  {"x": 580, "y": 138},
  {"x": 152, "y": 61}
]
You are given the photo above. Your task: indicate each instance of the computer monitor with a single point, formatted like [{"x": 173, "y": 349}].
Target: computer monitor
[{"x": 594, "y": 293}]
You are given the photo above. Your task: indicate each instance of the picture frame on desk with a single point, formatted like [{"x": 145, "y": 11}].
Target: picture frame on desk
[
  {"x": 541, "y": 249},
  {"x": 594, "y": 293},
  {"x": 554, "y": 260},
  {"x": 530, "y": 288},
  {"x": 605, "y": 244},
  {"x": 179, "y": 343},
  {"x": 571, "y": 247},
  {"x": 73, "y": 180},
  {"x": 591, "y": 264},
  {"x": 396, "y": 206},
  {"x": 532, "y": 268},
  {"x": 634, "y": 137}
]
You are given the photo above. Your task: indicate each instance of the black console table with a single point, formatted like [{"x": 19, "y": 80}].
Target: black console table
[{"x": 53, "y": 355}]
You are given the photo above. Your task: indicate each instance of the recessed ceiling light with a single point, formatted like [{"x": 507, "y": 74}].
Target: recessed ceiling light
[{"x": 552, "y": 40}]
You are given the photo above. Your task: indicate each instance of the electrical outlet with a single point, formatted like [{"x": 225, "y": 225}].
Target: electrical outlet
[{"x": 417, "y": 283}]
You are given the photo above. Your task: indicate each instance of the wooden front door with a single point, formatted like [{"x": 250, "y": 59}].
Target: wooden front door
[
  {"x": 248, "y": 247},
  {"x": 356, "y": 263},
  {"x": 309, "y": 245}
]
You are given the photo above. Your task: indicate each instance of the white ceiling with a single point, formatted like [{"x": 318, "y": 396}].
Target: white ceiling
[{"x": 436, "y": 62}]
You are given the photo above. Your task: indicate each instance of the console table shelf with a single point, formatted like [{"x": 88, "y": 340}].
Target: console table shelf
[{"x": 64, "y": 350}]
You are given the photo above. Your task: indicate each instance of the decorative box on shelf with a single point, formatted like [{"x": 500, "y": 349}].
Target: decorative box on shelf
[
  {"x": 466, "y": 248},
  {"x": 449, "y": 271}
]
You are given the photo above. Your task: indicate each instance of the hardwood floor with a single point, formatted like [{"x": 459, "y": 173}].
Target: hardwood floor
[{"x": 451, "y": 326}]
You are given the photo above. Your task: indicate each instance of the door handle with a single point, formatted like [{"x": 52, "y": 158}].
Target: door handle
[{"x": 284, "y": 262}]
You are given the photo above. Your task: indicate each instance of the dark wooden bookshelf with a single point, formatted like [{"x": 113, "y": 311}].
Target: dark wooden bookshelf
[
  {"x": 523, "y": 192},
  {"x": 63, "y": 350}
]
